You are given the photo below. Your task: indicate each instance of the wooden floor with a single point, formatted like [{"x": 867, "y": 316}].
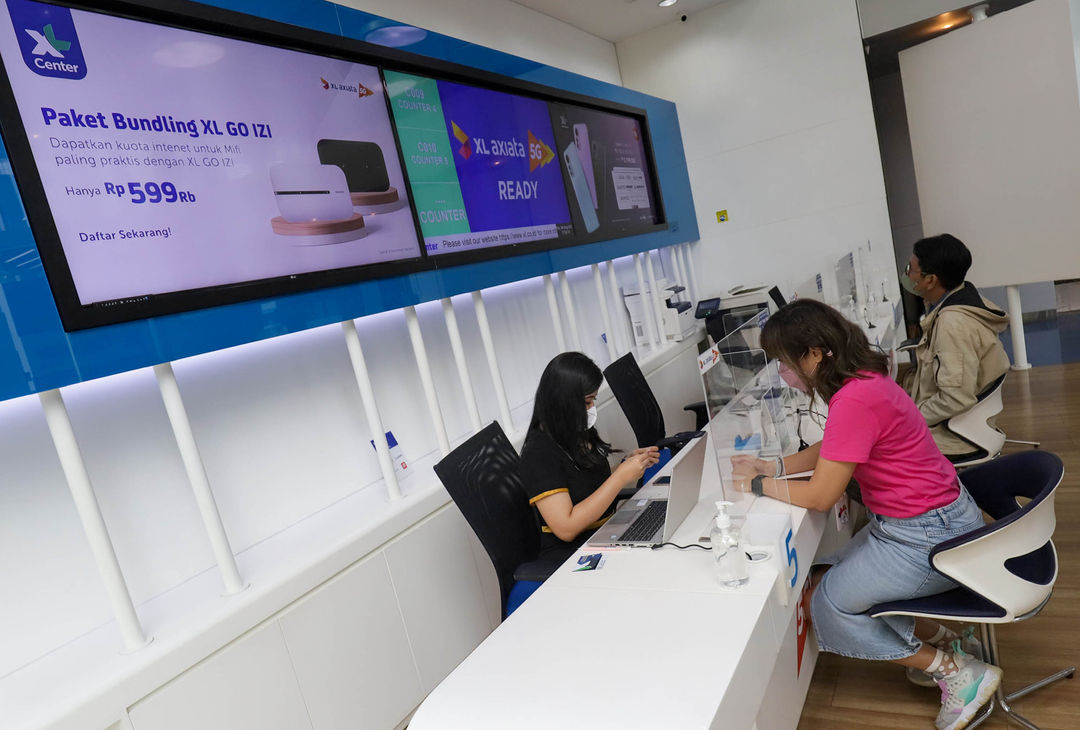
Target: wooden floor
[{"x": 1042, "y": 404}]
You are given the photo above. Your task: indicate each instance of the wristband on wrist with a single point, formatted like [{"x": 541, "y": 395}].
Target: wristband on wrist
[
  {"x": 757, "y": 485},
  {"x": 779, "y": 467}
]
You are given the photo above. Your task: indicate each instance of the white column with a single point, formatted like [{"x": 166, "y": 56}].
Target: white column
[
  {"x": 571, "y": 313},
  {"x": 646, "y": 308},
  {"x": 655, "y": 299},
  {"x": 626, "y": 328},
  {"x": 371, "y": 409},
  {"x": 493, "y": 362},
  {"x": 417, "y": 338},
  {"x": 601, "y": 295},
  {"x": 196, "y": 474},
  {"x": 82, "y": 492},
  {"x": 1016, "y": 329},
  {"x": 462, "y": 363},
  {"x": 684, "y": 261},
  {"x": 689, "y": 256},
  {"x": 680, "y": 270},
  {"x": 553, "y": 307}
]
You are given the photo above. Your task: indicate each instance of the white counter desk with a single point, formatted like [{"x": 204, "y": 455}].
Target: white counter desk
[{"x": 650, "y": 640}]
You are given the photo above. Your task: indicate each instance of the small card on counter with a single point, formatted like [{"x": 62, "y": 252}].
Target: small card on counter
[{"x": 590, "y": 562}]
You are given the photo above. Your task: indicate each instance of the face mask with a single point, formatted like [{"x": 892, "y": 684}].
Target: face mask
[
  {"x": 909, "y": 284},
  {"x": 793, "y": 379},
  {"x": 590, "y": 418}
]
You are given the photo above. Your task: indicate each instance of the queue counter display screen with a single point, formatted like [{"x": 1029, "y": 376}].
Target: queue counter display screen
[
  {"x": 179, "y": 165},
  {"x": 482, "y": 164},
  {"x": 603, "y": 156}
]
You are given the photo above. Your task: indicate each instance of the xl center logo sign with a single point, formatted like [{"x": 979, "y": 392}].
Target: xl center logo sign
[
  {"x": 47, "y": 39},
  {"x": 48, "y": 44}
]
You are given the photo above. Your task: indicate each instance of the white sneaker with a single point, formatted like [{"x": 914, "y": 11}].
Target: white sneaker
[
  {"x": 920, "y": 678},
  {"x": 968, "y": 643},
  {"x": 964, "y": 692}
]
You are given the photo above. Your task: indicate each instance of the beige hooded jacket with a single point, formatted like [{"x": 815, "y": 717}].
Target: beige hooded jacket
[{"x": 958, "y": 356}]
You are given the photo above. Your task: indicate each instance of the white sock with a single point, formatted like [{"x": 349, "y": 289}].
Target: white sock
[
  {"x": 943, "y": 665},
  {"x": 935, "y": 665},
  {"x": 943, "y": 637}
]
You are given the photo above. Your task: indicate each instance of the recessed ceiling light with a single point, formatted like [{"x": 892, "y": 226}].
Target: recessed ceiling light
[
  {"x": 396, "y": 36},
  {"x": 667, "y": 3}
]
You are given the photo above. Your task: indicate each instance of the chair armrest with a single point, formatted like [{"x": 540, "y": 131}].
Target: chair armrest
[
  {"x": 537, "y": 570},
  {"x": 679, "y": 440},
  {"x": 701, "y": 414}
]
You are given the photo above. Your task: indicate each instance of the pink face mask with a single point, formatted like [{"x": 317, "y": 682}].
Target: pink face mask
[{"x": 793, "y": 379}]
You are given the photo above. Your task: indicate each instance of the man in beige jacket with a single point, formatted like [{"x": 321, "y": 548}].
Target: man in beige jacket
[{"x": 959, "y": 354}]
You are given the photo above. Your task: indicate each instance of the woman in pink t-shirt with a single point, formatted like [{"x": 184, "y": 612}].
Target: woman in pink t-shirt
[{"x": 875, "y": 434}]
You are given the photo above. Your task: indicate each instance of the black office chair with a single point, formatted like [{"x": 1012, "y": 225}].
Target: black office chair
[
  {"x": 482, "y": 476},
  {"x": 1006, "y": 569},
  {"x": 638, "y": 403}
]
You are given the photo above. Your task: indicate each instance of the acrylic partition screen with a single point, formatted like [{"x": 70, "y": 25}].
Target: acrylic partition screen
[{"x": 751, "y": 410}]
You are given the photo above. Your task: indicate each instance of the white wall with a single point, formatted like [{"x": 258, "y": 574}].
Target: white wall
[
  {"x": 999, "y": 164},
  {"x": 775, "y": 111},
  {"x": 508, "y": 27},
  {"x": 903, "y": 194}
]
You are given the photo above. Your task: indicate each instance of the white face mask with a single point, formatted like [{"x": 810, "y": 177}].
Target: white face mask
[{"x": 590, "y": 418}]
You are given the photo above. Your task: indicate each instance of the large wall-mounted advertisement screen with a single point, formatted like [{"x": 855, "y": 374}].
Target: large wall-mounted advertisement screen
[
  {"x": 482, "y": 165},
  {"x": 176, "y": 162},
  {"x": 173, "y": 156},
  {"x": 603, "y": 155}
]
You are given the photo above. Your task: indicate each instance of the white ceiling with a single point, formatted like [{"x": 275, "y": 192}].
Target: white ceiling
[{"x": 614, "y": 20}]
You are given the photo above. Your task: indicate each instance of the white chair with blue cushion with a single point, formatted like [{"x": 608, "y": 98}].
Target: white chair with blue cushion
[
  {"x": 973, "y": 426},
  {"x": 1006, "y": 570}
]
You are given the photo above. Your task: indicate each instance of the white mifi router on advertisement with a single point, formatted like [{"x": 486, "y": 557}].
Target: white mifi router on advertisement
[{"x": 315, "y": 204}]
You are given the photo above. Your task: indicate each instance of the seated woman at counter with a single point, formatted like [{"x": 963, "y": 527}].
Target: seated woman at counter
[
  {"x": 875, "y": 433},
  {"x": 564, "y": 462}
]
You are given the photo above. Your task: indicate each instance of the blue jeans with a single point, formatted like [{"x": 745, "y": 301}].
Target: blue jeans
[{"x": 888, "y": 560}]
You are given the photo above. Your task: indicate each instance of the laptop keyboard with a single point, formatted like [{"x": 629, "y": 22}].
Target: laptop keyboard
[{"x": 647, "y": 523}]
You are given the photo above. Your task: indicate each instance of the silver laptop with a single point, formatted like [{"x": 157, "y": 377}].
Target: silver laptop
[{"x": 642, "y": 523}]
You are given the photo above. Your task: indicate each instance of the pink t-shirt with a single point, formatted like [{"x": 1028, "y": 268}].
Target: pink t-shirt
[{"x": 875, "y": 424}]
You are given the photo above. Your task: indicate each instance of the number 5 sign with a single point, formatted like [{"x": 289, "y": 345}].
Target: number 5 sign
[{"x": 802, "y": 624}]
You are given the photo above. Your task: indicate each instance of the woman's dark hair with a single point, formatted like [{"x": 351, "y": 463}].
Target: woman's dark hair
[
  {"x": 789, "y": 334},
  {"x": 944, "y": 255},
  {"x": 559, "y": 407}
]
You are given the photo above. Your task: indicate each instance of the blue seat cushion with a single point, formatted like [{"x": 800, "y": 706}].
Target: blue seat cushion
[
  {"x": 521, "y": 590},
  {"x": 955, "y": 603}
]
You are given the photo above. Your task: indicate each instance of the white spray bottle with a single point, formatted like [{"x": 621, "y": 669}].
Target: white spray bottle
[{"x": 729, "y": 554}]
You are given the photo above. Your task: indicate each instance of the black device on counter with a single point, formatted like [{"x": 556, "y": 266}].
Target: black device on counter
[
  {"x": 707, "y": 308},
  {"x": 777, "y": 297}
]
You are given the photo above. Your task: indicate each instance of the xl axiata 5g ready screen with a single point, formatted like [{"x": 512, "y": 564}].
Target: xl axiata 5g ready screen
[{"x": 482, "y": 164}]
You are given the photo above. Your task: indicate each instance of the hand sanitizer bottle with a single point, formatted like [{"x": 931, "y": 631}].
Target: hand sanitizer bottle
[{"x": 729, "y": 554}]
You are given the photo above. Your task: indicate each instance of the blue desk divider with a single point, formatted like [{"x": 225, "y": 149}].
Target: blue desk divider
[{"x": 36, "y": 354}]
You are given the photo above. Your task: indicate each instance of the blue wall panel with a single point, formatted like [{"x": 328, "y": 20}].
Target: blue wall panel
[{"x": 36, "y": 354}]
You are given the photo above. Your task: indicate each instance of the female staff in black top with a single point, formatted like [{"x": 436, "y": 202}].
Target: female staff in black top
[{"x": 564, "y": 461}]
